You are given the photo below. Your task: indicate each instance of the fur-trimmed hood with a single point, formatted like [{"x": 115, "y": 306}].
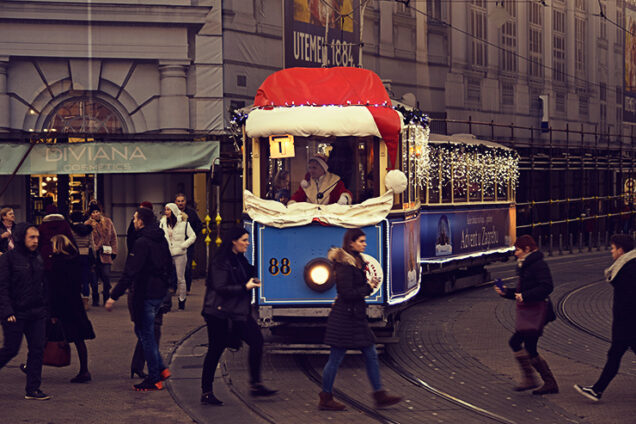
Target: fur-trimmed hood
[
  {"x": 612, "y": 271},
  {"x": 338, "y": 254},
  {"x": 53, "y": 217}
]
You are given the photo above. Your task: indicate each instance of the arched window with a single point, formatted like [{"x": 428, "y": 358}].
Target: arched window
[{"x": 86, "y": 115}]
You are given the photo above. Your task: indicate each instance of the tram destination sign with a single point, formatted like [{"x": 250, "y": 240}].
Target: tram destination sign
[
  {"x": 305, "y": 23},
  {"x": 107, "y": 158}
]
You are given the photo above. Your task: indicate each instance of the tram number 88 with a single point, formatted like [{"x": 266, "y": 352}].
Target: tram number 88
[{"x": 284, "y": 267}]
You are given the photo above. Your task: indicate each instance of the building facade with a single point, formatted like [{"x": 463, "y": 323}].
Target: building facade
[{"x": 113, "y": 69}]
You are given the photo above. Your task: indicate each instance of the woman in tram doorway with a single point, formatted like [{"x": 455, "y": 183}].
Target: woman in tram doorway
[
  {"x": 534, "y": 311},
  {"x": 228, "y": 315},
  {"x": 347, "y": 325},
  {"x": 180, "y": 236}
]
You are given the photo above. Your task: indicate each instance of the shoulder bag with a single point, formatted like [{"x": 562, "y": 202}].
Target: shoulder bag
[{"x": 532, "y": 316}]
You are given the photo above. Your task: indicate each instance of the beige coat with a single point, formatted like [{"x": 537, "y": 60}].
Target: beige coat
[{"x": 103, "y": 235}]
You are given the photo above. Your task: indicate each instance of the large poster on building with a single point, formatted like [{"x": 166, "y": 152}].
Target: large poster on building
[
  {"x": 305, "y": 25},
  {"x": 629, "y": 109}
]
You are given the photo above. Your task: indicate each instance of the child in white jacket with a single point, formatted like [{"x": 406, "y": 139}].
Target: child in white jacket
[{"x": 180, "y": 236}]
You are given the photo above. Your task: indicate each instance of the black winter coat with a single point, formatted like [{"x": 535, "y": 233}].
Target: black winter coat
[
  {"x": 347, "y": 324},
  {"x": 147, "y": 271},
  {"x": 65, "y": 287},
  {"x": 4, "y": 242},
  {"x": 225, "y": 294},
  {"x": 624, "y": 310},
  {"x": 535, "y": 280},
  {"x": 194, "y": 220},
  {"x": 23, "y": 290}
]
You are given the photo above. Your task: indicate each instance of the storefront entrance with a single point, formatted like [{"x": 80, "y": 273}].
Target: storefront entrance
[{"x": 69, "y": 193}]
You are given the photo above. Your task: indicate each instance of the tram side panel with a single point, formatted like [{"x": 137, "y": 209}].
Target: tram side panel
[
  {"x": 404, "y": 255},
  {"x": 457, "y": 243}
]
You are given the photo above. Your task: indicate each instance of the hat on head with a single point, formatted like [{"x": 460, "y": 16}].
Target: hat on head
[
  {"x": 93, "y": 207},
  {"x": 320, "y": 160},
  {"x": 146, "y": 204},
  {"x": 174, "y": 209}
]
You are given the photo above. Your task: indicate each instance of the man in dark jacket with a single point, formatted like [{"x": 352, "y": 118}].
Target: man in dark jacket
[
  {"x": 146, "y": 272},
  {"x": 622, "y": 275},
  {"x": 23, "y": 305},
  {"x": 197, "y": 226}
]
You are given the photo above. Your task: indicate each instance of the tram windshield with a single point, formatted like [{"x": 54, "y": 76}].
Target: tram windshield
[{"x": 352, "y": 159}]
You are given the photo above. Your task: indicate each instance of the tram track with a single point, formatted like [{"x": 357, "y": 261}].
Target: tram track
[
  {"x": 310, "y": 372},
  {"x": 415, "y": 380},
  {"x": 562, "y": 312}
]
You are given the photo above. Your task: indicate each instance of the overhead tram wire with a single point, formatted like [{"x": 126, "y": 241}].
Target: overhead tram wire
[
  {"x": 604, "y": 16},
  {"x": 491, "y": 44}
]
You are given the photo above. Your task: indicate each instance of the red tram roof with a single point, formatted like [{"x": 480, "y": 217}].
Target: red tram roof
[{"x": 342, "y": 86}]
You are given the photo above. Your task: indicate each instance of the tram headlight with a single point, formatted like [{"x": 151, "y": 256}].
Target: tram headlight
[{"x": 319, "y": 274}]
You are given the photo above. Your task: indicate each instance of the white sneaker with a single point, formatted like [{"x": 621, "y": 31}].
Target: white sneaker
[{"x": 588, "y": 392}]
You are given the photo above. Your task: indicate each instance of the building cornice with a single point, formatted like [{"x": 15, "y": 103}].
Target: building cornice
[{"x": 42, "y": 11}]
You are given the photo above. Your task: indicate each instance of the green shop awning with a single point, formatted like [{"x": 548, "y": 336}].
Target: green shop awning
[{"x": 108, "y": 157}]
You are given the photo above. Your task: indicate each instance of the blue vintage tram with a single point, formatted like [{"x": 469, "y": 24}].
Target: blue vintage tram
[{"x": 346, "y": 115}]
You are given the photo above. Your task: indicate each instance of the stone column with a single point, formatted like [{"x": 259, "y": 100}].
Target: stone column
[
  {"x": 5, "y": 116},
  {"x": 174, "y": 111}
]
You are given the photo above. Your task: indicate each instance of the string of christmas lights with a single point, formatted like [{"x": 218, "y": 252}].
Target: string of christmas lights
[
  {"x": 411, "y": 116},
  {"x": 473, "y": 167}
]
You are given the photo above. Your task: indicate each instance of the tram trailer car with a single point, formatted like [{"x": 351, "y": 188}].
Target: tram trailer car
[
  {"x": 346, "y": 115},
  {"x": 468, "y": 215}
]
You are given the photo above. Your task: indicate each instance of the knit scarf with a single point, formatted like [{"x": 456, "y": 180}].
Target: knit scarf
[{"x": 611, "y": 272}]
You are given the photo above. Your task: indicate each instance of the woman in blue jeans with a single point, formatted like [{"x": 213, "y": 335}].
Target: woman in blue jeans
[{"x": 347, "y": 325}]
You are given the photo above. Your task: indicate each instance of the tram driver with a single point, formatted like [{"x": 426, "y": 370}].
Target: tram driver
[{"x": 321, "y": 186}]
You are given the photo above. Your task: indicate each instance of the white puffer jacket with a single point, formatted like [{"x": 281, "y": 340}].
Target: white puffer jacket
[{"x": 176, "y": 236}]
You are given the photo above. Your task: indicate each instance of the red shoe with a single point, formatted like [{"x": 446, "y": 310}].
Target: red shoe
[{"x": 165, "y": 374}]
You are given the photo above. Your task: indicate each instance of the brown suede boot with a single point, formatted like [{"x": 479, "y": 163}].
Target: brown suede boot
[
  {"x": 528, "y": 380},
  {"x": 328, "y": 403},
  {"x": 549, "y": 382},
  {"x": 383, "y": 399}
]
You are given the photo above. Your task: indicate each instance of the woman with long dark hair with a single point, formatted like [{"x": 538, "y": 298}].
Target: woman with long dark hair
[
  {"x": 533, "y": 312},
  {"x": 228, "y": 315},
  {"x": 347, "y": 325}
]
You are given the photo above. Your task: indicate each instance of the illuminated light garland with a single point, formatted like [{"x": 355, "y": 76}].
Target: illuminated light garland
[
  {"x": 411, "y": 116},
  {"x": 490, "y": 167}
]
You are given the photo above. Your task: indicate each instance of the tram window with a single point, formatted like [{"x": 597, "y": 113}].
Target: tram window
[
  {"x": 475, "y": 187},
  {"x": 459, "y": 187},
  {"x": 350, "y": 158},
  {"x": 502, "y": 191}
]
